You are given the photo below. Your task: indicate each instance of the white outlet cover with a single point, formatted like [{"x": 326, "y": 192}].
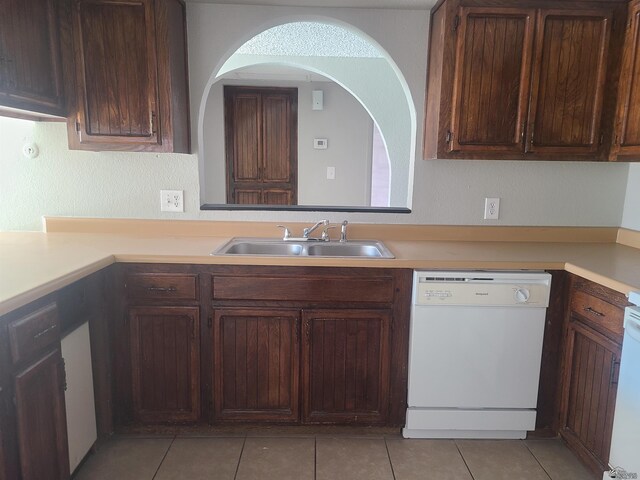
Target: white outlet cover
[
  {"x": 491, "y": 208},
  {"x": 172, "y": 200},
  {"x": 331, "y": 173}
]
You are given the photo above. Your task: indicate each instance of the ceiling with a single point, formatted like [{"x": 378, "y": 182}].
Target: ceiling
[{"x": 401, "y": 4}]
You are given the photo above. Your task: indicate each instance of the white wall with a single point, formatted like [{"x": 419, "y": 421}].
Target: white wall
[
  {"x": 60, "y": 182},
  {"x": 343, "y": 122},
  {"x": 631, "y": 214}
]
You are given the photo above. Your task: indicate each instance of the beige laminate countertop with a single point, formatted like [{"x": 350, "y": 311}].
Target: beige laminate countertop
[{"x": 33, "y": 264}]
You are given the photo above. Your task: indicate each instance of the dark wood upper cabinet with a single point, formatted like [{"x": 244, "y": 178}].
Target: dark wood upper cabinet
[
  {"x": 41, "y": 420},
  {"x": 261, "y": 138},
  {"x": 525, "y": 83},
  {"x": 30, "y": 57},
  {"x": 492, "y": 79},
  {"x": 570, "y": 67},
  {"x": 131, "y": 76},
  {"x": 627, "y": 139}
]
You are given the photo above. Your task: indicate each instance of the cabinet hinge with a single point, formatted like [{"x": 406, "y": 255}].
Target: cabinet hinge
[
  {"x": 601, "y": 139},
  {"x": 77, "y": 126},
  {"x": 64, "y": 375},
  {"x": 456, "y": 23},
  {"x": 210, "y": 321},
  {"x": 153, "y": 123},
  {"x": 449, "y": 136}
]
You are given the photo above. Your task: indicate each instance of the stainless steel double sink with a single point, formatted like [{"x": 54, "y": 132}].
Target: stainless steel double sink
[{"x": 293, "y": 248}]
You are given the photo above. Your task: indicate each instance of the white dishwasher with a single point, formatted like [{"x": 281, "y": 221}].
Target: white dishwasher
[{"x": 475, "y": 351}]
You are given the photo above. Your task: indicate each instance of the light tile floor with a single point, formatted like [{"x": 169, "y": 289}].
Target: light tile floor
[{"x": 329, "y": 457}]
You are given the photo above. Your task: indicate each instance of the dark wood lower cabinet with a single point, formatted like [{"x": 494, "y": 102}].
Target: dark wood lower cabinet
[
  {"x": 41, "y": 419},
  {"x": 165, "y": 363},
  {"x": 256, "y": 365},
  {"x": 589, "y": 395}
]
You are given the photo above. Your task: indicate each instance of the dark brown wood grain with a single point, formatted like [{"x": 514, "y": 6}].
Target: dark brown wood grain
[
  {"x": 165, "y": 363},
  {"x": 492, "y": 79},
  {"x": 627, "y": 135},
  {"x": 161, "y": 286},
  {"x": 131, "y": 84},
  {"x": 30, "y": 56},
  {"x": 41, "y": 419},
  {"x": 256, "y": 365},
  {"x": 477, "y": 105},
  {"x": 345, "y": 366},
  {"x": 588, "y": 402},
  {"x": 261, "y": 136},
  {"x": 33, "y": 333}
]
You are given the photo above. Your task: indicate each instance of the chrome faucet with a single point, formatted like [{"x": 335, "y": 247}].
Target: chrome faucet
[
  {"x": 343, "y": 232},
  {"x": 309, "y": 230}
]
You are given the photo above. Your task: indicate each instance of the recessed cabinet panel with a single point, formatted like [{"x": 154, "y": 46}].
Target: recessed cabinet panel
[
  {"x": 256, "y": 364},
  {"x": 492, "y": 79},
  {"x": 118, "y": 68},
  {"x": 346, "y": 371},
  {"x": 570, "y": 68},
  {"x": 165, "y": 363},
  {"x": 628, "y": 117}
]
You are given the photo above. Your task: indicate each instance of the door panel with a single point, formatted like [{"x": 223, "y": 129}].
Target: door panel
[
  {"x": 256, "y": 364},
  {"x": 492, "y": 79},
  {"x": 117, "y": 71},
  {"x": 41, "y": 420},
  {"x": 345, "y": 373},
  {"x": 246, "y": 142},
  {"x": 165, "y": 363},
  {"x": 570, "y": 68},
  {"x": 276, "y": 135}
]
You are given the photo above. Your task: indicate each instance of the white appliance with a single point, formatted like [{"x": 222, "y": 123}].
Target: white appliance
[
  {"x": 624, "y": 458},
  {"x": 79, "y": 397},
  {"x": 475, "y": 350}
]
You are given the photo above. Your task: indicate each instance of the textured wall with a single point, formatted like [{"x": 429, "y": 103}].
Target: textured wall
[{"x": 631, "y": 215}]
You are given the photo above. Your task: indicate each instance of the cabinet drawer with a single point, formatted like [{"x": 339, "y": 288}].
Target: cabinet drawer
[
  {"x": 598, "y": 311},
  {"x": 162, "y": 286},
  {"x": 309, "y": 289},
  {"x": 28, "y": 335}
]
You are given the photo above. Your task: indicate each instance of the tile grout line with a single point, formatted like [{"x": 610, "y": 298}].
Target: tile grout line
[
  {"x": 386, "y": 446},
  {"x": 244, "y": 441},
  {"x": 163, "y": 457},
  {"x": 536, "y": 459},
  {"x": 455, "y": 442}
]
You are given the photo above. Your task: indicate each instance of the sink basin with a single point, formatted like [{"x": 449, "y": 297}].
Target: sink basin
[{"x": 280, "y": 248}]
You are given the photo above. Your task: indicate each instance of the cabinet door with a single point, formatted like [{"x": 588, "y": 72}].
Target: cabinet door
[
  {"x": 492, "y": 79},
  {"x": 569, "y": 71},
  {"x": 628, "y": 116},
  {"x": 30, "y": 60},
  {"x": 256, "y": 364},
  {"x": 165, "y": 363},
  {"x": 345, "y": 366},
  {"x": 41, "y": 420},
  {"x": 115, "y": 50},
  {"x": 588, "y": 399}
]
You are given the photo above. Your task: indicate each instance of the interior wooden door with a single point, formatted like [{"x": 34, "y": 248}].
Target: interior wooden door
[
  {"x": 627, "y": 141},
  {"x": 492, "y": 79},
  {"x": 41, "y": 420},
  {"x": 117, "y": 72},
  {"x": 345, "y": 375},
  {"x": 569, "y": 72},
  {"x": 165, "y": 363},
  {"x": 592, "y": 364},
  {"x": 261, "y": 139},
  {"x": 256, "y": 366},
  {"x": 30, "y": 56}
]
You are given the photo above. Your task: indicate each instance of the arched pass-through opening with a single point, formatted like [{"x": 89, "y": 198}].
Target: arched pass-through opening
[{"x": 372, "y": 78}]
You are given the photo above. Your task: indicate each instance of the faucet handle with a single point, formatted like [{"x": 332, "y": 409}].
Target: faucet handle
[
  {"x": 325, "y": 233},
  {"x": 287, "y": 232},
  {"x": 343, "y": 231}
]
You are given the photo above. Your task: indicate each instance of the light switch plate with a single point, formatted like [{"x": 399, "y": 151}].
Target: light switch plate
[{"x": 331, "y": 173}]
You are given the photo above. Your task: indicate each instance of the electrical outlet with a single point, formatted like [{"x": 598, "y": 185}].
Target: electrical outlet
[
  {"x": 172, "y": 200},
  {"x": 491, "y": 208},
  {"x": 331, "y": 173}
]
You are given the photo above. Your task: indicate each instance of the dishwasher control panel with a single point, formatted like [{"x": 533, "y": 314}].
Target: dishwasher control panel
[{"x": 526, "y": 289}]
